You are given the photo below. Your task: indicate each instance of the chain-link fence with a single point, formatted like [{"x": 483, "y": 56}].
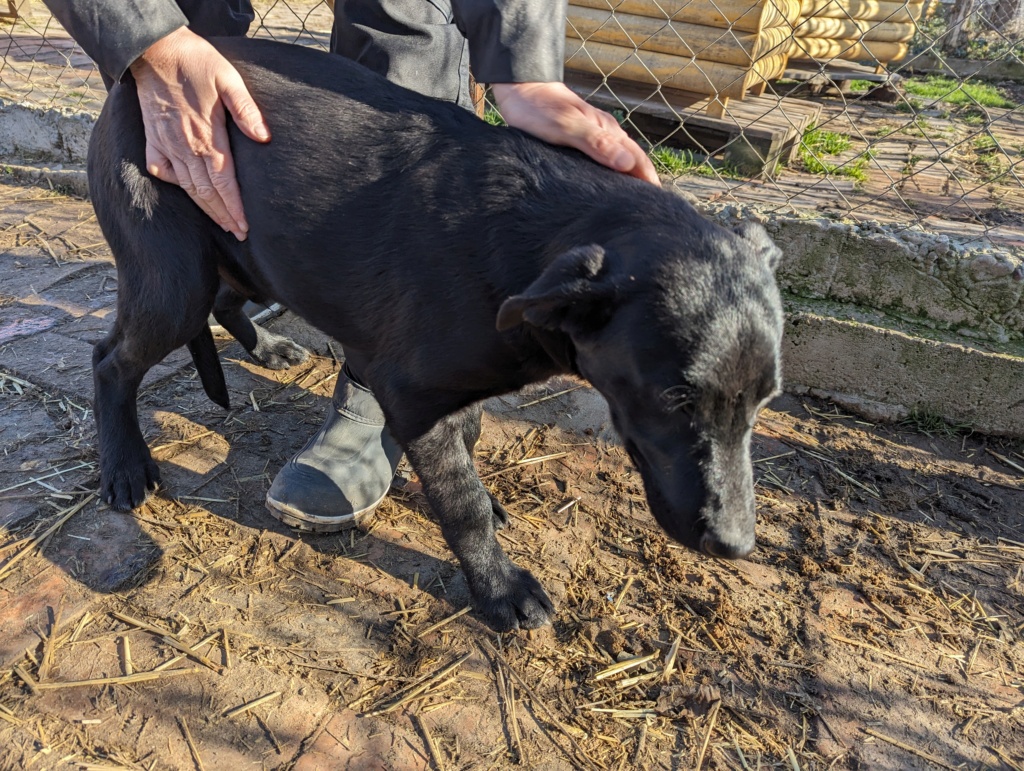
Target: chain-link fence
[{"x": 905, "y": 111}]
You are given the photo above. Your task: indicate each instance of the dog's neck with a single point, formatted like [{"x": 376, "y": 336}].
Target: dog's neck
[{"x": 559, "y": 346}]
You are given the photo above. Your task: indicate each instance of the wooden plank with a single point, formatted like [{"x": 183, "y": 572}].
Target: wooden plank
[
  {"x": 754, "y": 134},
  {"x": 822, "y": 49},
  {"x": 856, "y": 29},
  {"x": 830, "y": 73},
  {"x": 740, "y": 15},
  {"x": 683, "y": 73},
  {"x": 837, "y": 77},
  {"x": 692, "y": 41},
  {"x": 880, "y": 10}
]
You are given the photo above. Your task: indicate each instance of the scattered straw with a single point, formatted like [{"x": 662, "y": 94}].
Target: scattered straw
[
  {"x": 418, "y": 688},
  {"x": 1007, "y": 759},
  {"x": 879, "y": 651},
  {"x": 670, "y": 660},
  {"x": 622, "y": 593},
  {"x": 191, "y": 744},
  {"x": 250, "y": 705},
  {"x": 63, "y": 517},
  {"x": 712, "y": 720},
  {"x": 55, "y": 473},
  {"x": 909, "y": 748},
  {"x": 443, "y": 622},
  {"x": 138, "y": 677},
  {"x": 435, "y": 755},
  {"x": 177, "y": 644},
  {"x": 625, "y": 666},
  {"x": 548, "y": 397},
  {"x": 583, "y": 758},
  {"x": 126, "y": 656},
  {"x": 26, "y": 678},
  {"x": 47, "y": 660}
]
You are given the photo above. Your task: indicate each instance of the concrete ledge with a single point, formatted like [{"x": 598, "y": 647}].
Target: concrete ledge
[
  {"x": 885, "y": 373},
  {"x": 59, "y": 135},
  {"x": 969, "y": 286},
  {"x": 71, "y": 180}
]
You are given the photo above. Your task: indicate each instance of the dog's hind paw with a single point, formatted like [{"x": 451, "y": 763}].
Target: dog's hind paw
[
  {"x": 127, "y": 486},
  {"x": 277, "y": 352},
  {"x": 522, "y": 604}
]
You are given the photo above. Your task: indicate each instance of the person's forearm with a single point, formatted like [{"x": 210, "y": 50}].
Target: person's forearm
[
  {"x": 513, "y": 41},
  {"x": 114, "y": 33}
]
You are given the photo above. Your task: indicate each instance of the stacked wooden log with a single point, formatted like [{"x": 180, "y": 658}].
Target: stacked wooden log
[
  {"x": 856, "y": 30},
  {"x": 721, "y": 48}
]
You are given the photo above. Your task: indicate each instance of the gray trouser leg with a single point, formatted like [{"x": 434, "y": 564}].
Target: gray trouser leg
[{"x": 414, "y": 43}]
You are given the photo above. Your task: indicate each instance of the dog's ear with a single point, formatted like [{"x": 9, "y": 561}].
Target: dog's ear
[
  {"x": 760, "y": 244},
  {"x": 571, "y": 290}
]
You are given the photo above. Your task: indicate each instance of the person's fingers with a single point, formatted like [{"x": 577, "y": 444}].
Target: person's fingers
[
  {"x": 552, "y": 112},
  {"x": 194, "y": 180},
  {"x": 184, "y": 177},
  {"x": 644, "y": 168},
  {"x": 239, "y": 103},
  {"x": 604, "y": 146},
  {"x": 159, "y": 165},
  {"x": 221, "y": 169},
  {"x": 184, "y": 85},
  {"x": 205, "y": 193},
  {"x": 614, "y": 147}
]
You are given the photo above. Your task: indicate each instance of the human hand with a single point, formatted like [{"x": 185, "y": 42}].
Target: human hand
[
  {"x": 552, "y": 112},
  {"x": 184, "y": 84}
]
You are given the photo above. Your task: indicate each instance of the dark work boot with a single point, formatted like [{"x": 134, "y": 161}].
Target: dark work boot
[{"x": 344, "y": 471}]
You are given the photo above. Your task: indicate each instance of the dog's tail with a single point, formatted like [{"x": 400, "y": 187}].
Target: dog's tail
[{"x": 204, "y": 354}]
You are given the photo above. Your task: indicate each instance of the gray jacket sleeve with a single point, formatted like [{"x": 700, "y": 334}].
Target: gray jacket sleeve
[
  {"x": 114, "y": 33},
  {"x": 513, "y": 41}
]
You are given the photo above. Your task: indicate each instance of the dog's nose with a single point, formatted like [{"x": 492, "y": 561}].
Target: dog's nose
[{"x": 711, "y": 544}]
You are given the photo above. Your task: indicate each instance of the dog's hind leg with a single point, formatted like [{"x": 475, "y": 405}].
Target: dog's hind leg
[
  {"x": 471, "y": 436},
  {"x": 267, "y": 349},
  {"x": 507, "y": 596},
  {"x": 166, "y": 287}
]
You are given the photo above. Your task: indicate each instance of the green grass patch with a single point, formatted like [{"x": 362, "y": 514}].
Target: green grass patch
[
  {"x": 494, "y": 117},
  {"x": 861, "y": 85},
  {"x": 818, "y": 145},
  {"x": 990, "y": 160},
  {"x": 957, "y": 92},
  {"x": 926, "y": 422},
  {"x": 909, "y": 105},
  {"x": 676, "y": 163},
  {"x": 668, "y": 160},
  {"x": 819, "y": 141}
]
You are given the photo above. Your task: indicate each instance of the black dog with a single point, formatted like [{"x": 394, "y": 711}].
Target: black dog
[{"x": 454, "y": 261}]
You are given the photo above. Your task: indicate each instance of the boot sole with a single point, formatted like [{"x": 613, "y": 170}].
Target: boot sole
[{"x": 313, "y": 524}]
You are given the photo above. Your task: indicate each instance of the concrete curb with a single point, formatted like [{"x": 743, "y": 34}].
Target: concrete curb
[
  {"x": 71, "y": 180},
  {"x": 886, "y": 374},
  {"x": 56, "y": 134}
]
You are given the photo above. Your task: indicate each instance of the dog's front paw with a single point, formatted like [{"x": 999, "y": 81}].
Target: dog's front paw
[
  {"x": 123, "y": 486},
  {"x": 277, "y": 352},
  {"x": 518, "y": 602}
]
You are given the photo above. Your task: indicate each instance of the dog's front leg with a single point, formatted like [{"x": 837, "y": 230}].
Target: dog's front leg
[{"x": 506, "y": 595}]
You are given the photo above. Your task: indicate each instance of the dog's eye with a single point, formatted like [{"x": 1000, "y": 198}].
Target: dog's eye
[{"x": 676, "y": 398}]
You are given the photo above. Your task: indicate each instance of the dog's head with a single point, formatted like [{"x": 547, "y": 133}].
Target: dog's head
[{"x": 683, "y": 341}]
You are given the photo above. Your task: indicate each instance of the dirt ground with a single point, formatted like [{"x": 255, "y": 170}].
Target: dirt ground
[{"x": 877, "y": 625}]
